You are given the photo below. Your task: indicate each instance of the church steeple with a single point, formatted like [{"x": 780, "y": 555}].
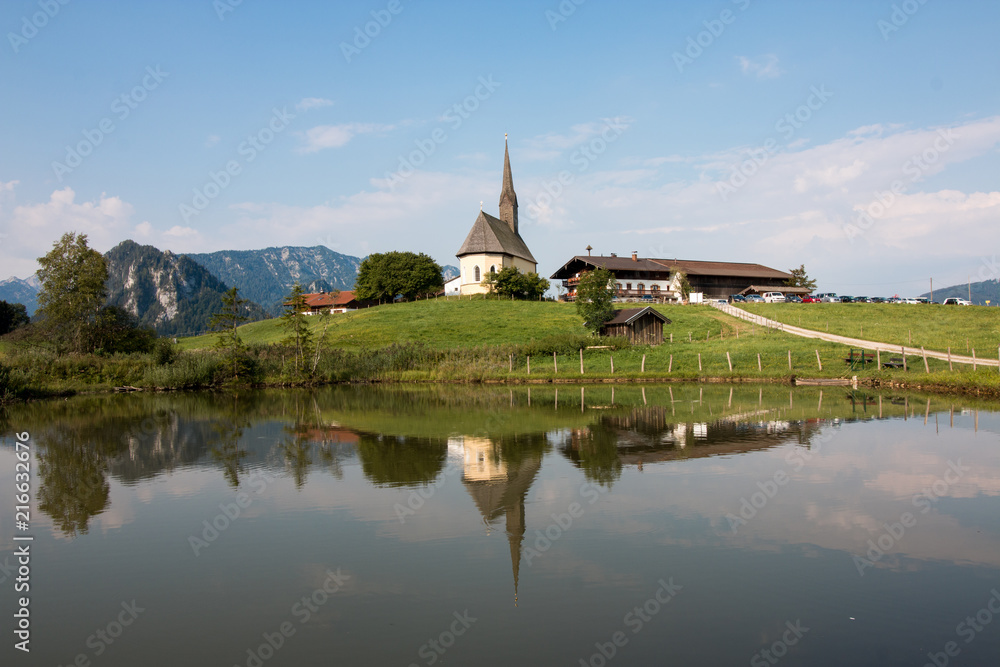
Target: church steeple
[{"x": 508, "y": 198}]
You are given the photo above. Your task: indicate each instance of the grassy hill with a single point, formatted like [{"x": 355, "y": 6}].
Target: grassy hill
[
  {"x": 933, "y": 326},
  {"x": 453, "y": 323}
]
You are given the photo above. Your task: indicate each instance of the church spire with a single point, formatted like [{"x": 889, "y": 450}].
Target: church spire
[{"x": 508, "y": 198}]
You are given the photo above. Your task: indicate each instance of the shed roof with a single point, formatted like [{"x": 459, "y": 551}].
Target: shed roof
[
  {"x": 493, "y": 235},
  {"x": 630, "y": 315}
]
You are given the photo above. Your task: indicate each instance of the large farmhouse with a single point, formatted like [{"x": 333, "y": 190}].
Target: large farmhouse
[
  {"x": 493, "y": 243},
  {"x": 639, "y": 277}
]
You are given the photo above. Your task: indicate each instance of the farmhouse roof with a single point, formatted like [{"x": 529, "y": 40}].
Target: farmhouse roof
[{"x": 492, "y": 235}]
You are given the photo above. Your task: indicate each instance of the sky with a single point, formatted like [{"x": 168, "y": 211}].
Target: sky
[{"x": 858, "y": 138}]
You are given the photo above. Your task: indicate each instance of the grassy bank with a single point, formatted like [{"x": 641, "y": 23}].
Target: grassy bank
[
  {"x": 495, "y": 341},
  {"x": 933, "y": 326}
]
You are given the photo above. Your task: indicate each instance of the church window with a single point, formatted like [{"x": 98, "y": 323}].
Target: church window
[
  {"x": 493, "y": 268},
  {"x": 478, "y": 278}
]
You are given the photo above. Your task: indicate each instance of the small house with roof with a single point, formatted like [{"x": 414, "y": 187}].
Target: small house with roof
[{"x": 642, "y": 326}]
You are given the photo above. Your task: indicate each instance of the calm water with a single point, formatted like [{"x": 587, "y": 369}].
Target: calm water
[{"x": 682, "y": 525}]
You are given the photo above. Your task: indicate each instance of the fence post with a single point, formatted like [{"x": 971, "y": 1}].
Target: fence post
[
  {"x": 760, "y": 369},
  {"x": 903, "y": 350},
  {"x": 820, "y": 363},
  {"x": 699, "y": 362},
  {"x": 730, "y": 361},
  {"x": 643, "y": 368},
  {"x": 689, "y": 336},
  {"x": 671, "y": 337},
  {"x": 973, "y": 360},
  {"x": 789, "y": 360},
  {"x": 612, "y": 357},
  {"x": 510, "y": 364},
  {"x": 670, "y": 364},
  {"x": 924, "y": 352},
  {"x": 529, "y": 364},
  {"x": 581, "y": 361},
  {"x": 878, "y": 358},
  {"x": 555, "y": 363}
]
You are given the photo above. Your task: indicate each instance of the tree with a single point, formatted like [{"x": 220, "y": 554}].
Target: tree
[
  {"x": 72, "y": 291},
  {"x": 800, "y": 279},
  {"x": 117, "y": 330},
  {"x": 594, "y": 296},
  {"x": 12, "y": 316},
  {"x": 509, "y": 282},
  {"x": 384, "y": 276},
  {"x": 682, "y": 280},
  {"x": 227, "y": 321},
  {"x": 294, "y": 322}
]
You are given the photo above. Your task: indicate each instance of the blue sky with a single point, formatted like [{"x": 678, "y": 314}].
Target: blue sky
[{"x": 859, "y": 138}]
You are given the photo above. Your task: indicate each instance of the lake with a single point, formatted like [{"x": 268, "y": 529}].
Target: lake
[{"x": 678, "y": 524}]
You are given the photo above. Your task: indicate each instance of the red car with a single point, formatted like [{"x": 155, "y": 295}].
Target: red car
[{"x": 811, "y": 299}]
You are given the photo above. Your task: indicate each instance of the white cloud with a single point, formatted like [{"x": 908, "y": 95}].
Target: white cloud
[
  {"x": 552, "y": 145},
  {"x": 212, "y": 140},
  {"x": 179, "y": 232},
  {"x": 766, "y": 67},
  {"x": 307, "y": 103},
  {"x": 335, "y": 136}
]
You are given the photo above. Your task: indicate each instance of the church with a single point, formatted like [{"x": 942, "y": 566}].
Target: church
[{"x": 493, "y": 243}]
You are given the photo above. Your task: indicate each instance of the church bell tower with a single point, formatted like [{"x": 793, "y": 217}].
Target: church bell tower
[{"x": 508, "y": 198}]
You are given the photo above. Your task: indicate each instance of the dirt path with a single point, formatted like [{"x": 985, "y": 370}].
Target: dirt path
[{"x": 852, "y": 342}]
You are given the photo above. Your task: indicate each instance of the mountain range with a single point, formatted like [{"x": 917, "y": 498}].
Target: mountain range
[{"x": 986, "y": 290}]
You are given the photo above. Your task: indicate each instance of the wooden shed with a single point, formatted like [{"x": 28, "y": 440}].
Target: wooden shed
[{"x": 642, "y": 326}]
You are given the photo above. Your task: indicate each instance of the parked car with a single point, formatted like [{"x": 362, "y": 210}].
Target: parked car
[
  {"x": 737, "y": 298},
  {"x": 754, "y": 298},
  {"x": 792, "y": 298},
  {"x": 862, "y": 299},
  {"x": 957, "y": 302},
  {"x": 829, "y": 297},
  {"x": 877, "y": 299},
  {"x": 811, "y": 299},
  {"x": 847, "y": 299},
  {"x": 773, "y": 297},
  {"x": 922, "y": 299}
]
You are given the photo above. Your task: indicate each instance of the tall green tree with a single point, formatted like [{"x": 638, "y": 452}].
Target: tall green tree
[
  {"x": 227, "y": 321},
  {"x": 594, "y": 297},
  {"x": 12, "y": 316},
  {"x": 72, "y": 291},
  {"x": 800, "y": 279},
  {"x": 294, "y": 321},
  {"x": 384, "y": 276},
  {"x": 509, "y": 282}
]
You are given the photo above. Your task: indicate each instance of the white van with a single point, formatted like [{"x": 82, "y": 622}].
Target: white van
[{"x": 773, "y": 297}]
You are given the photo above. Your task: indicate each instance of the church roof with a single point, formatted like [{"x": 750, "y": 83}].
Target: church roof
[{"x": 493, "y": 235}]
